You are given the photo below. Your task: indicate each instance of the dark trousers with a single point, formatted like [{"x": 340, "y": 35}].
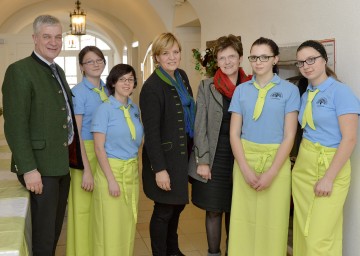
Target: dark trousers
[
  {"x": 163, "y": 229},
  {"x": 47, "y": 213}
]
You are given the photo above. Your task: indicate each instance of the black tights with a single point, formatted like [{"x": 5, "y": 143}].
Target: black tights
[{"x": 213, "y": 229}]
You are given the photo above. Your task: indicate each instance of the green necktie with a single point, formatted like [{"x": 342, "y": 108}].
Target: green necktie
[
  {"x": 129, "y": 121},
  {"x": 261, "y": 99},
  {"x": 102, "y": 94},
  {"x": 307, "y": 116}
]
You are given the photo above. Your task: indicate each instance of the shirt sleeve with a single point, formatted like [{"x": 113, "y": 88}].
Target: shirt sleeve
[
  {"x": 346, "y": 102},
  {"x": 293, "y": 103},
  {"x": 235, "y": 102},
  {"x": 101, "y": 118},
  {"x": 78, "y": 101}
]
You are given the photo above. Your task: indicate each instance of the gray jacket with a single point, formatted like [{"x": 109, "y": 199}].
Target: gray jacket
[{"x": 209, "y": 114}]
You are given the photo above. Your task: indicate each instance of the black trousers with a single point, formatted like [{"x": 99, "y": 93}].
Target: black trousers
[
  {"x": 47, "y": 213},
  {"x": 163, "y": 229}
]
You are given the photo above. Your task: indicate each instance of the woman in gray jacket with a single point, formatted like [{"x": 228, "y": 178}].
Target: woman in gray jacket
[{"x": 212, "y": 162}]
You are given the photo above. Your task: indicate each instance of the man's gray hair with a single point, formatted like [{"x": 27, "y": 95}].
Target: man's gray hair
[{"x": 44, "y": 20}]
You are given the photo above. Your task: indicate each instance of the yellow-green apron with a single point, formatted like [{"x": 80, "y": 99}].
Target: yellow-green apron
[
  {"x": 79, "y": 201},
  {"x": 259, "y": 220},
  {"x": 113, "y": 219},
  {"x": 317, "y": 220}
]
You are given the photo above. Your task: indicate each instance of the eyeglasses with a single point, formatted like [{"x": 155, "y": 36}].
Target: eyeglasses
[
  {"x": 262, "y": 58},
  {"x": 309, "y": 61},
  {"x": 231, "y": 58},
  {"x": 92, "y": 62},
  {"x": 123, "y": 80}
]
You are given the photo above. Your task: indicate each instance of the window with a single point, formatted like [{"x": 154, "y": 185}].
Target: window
[
  {"x": 125, "y": 55},
  {"x": 69, "y": 61}
]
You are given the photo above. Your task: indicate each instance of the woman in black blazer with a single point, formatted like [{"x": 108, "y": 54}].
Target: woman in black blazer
[{"x": 167, "y": 111}]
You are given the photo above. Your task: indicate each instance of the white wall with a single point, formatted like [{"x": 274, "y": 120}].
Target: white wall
[
  {"x": 294, "y": 21},
  {"x": 15, "y": 47},
  {"x": 165, "y": 10},
  {"x": 351, "y": 237},
  {"x": 189, "y": 38},
  {"x": 287, "y": 22}
]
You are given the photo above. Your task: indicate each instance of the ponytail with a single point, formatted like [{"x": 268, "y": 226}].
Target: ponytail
[{"x": 330, "y": 72}]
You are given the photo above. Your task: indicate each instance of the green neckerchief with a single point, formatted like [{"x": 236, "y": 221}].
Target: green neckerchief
[{"x": 163, "y": 77}]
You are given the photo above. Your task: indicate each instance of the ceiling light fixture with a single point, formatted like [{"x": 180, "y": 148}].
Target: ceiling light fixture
[{"x": 78, "y": 20}]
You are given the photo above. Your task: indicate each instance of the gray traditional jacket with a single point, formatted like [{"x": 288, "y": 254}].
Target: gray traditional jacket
[{"x": 208, "y": 118}]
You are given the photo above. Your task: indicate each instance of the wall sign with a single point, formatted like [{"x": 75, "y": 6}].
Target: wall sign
[{"x": 329, "y": 45}]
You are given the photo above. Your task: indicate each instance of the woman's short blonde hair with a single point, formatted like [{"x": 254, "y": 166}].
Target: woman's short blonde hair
[{"x": 162, "y": 42}]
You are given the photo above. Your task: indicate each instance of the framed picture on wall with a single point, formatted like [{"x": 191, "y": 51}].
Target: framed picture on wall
[{"x": 329, "y": 45}]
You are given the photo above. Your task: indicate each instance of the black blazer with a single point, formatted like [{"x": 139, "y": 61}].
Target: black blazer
[{"x": 166, "y": 142}]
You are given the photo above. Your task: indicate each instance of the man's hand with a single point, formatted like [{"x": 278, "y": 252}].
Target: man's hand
[{"x": 33, "y": 181}]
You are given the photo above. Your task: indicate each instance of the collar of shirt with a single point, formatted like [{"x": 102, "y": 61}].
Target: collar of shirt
[
  {"x": 323, "y": 86},
  {"x": 118, "y": 104},
  {"x": 90, "y": 86},
  {"x": 276, "y": 79},
  {"x": 41, "y": 58}
]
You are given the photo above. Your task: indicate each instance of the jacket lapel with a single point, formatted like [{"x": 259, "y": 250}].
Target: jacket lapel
[{"x": 216, "y": 95}]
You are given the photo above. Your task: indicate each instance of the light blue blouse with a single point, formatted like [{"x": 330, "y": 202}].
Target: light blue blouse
[
  {"x": 333, "y": 100},
  {"x": 283, "y": 98},
  {"x": 109, "y": 119},
  {"x": 85, "y": 102}
]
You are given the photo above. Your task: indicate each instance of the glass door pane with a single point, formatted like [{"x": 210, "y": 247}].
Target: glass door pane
[{"x": 71, "y": 70}]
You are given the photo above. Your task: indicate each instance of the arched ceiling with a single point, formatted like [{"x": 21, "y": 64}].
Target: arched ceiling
[{"x": 121, "y": 21}]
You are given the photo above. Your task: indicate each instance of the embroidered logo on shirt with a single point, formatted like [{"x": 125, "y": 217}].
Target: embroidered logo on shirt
[
  {"x": 276, "y": 95},
  {"x": 321, "y": 102},
  {"x": 137, "y": 115}
]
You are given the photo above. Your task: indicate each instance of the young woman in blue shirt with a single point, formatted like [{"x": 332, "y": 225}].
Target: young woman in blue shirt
[
  {"x": 262, "y": 131},
  {"x": 321, "y": 175},
  {"x": 86, "y": 99},
  {"x": 118, "y": 135}
]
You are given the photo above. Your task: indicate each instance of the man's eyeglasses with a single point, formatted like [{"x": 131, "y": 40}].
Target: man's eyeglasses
[
  {"x": 262, "y": 58},
  {"x": 123, "y": 80},
  {"x": 309, "y": 61},
  {"x": 92, "y": 62}
]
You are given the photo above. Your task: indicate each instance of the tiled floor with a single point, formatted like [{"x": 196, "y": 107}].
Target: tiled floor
[{"x": 192, "y": 236}]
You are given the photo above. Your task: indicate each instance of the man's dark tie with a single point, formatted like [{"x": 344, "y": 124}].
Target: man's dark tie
[{"x": 69, "y": 119}]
